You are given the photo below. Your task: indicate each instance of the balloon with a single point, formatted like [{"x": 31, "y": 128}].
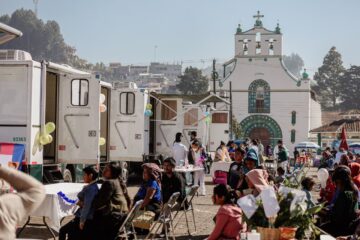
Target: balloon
[
  {"x": 50, "y": 127},
  {"x": 208, "y": 120},
  {"x": 50, "y": 139},
  {"x": 323, "y": 176},
  {"x": 148, "y": 106},
  {"x": 102, "y": 108},
  {"x": 102, "y": 141},
  {"x": 148, "y": 113},
  {"x": 45, "y": 139},
  {"x": 207, "y": 113},
  {"x": 102, "y": 98}
]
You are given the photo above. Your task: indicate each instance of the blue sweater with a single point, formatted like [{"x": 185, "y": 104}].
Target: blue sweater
[{"x": 87, "y": 195}]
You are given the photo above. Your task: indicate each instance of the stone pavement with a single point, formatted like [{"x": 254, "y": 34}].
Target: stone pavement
[{"x": 204, "y": 214}]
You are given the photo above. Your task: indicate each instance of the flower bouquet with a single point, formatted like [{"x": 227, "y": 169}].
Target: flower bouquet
[{"x": 291, "y": 220}]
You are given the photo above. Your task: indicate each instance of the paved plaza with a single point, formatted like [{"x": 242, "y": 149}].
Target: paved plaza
[{"x": 204, "y": 214}]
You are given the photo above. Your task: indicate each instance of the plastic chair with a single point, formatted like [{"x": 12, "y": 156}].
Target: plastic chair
[
  {"x": 124, "y": 230},
  {"x": 165, "y": 218},
  {"x": 188, "y": 200}
]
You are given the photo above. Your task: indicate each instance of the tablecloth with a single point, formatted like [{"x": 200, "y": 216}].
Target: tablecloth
[
  {"x": 219, "y": 166},
  {"x": 54, "y": 207}
]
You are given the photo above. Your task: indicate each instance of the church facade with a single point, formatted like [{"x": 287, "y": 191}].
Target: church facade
[{"x": 268, "y": 101}]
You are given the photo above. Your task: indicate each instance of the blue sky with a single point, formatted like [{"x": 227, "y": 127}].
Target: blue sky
[{"x": 191, "y": 30}]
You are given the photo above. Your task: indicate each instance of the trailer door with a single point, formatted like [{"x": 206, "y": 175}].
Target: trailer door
[
  {"x": 79, "y": 119},
  {"x": 219, "y": 129},
  {"x": 128, "y": 125}
]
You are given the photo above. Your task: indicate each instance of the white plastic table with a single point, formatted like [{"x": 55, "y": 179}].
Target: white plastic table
[
  {"x": 219, "y": 166},
  {"x": 54, "y": 207}
]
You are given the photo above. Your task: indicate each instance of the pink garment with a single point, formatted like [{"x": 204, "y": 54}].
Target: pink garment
[
  {"x": 258, "y": 178},
  {"x": 228, "y": 223}
]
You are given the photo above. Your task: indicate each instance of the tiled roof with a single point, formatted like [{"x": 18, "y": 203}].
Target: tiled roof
[
  {"x": 351, "y": 112},
  {"x": 351, "y": 125}
]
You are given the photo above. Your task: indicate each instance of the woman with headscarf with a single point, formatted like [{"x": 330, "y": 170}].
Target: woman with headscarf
[
  {"x": 257, "y": 180},
  {"x": 344, "y": 204},
  {"x": 355, "y": 173},
  {"x": 150, "y": 190}
]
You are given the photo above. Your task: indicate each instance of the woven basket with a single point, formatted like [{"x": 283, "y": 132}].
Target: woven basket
[{"x": 269, "y": 233}]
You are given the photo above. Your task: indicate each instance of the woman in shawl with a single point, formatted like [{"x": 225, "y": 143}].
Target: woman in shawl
[
  {"x": 150, "y": 190},
  {"x": 355, "y": 173},
  {"x": 257, "y": 180}
]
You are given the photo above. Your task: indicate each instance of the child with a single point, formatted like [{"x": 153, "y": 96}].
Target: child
[
  {"x": 228, "y": 220},
  {"x": 80, "y": 227},
  {"x": 307, "y": 186},
  {"x": 280, "y": 176}
]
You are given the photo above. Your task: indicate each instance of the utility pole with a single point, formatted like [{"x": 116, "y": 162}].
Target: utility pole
[
  {"x": 36, "y": 7},
  {"x": 215, "y": 76},
  {"x": 231, "y": 112}
]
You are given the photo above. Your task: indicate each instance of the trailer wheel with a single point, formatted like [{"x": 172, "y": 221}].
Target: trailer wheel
[{"x": 67, "y": 176}]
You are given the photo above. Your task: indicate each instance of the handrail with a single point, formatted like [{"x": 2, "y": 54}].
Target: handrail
[
  {"x": 68, "y": 126},
  {"x": 118, "y": 131}
]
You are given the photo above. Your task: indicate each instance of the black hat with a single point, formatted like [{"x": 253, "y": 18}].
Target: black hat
[{"x": 171, "y": 161}]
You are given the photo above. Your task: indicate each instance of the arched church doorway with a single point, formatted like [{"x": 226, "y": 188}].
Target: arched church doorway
[
  {"x": 263, "y": 127},
  {"x": 261, "y": 133}
]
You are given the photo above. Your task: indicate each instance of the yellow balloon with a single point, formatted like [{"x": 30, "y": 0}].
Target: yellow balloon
[
  {"x": 102, "y": 108},
  {"x": 50, "y": 127},
  {"x": 148, "y": 106},
  {"x": 50, "y": 139},
  {"x": 44, "y": 139},
  {"x": 102, "y": 141}
]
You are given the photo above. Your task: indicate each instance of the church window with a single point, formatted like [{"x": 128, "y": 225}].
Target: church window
[
  {"x": 293, "y": 117},
  {"x": 258, "y": 43},
  {"x": 271, "y": 46},
  {"x": 245, "y": 47},
  {"x": 259, "y": 97},
  {"x": 293, "y": 133}
]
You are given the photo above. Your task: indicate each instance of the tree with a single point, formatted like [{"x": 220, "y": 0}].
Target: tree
[
  {"x": 350, "y": 84},
  {"x": 294, "y": 63},
  {"x": 41, "y": 40},
  {"x": 193, "y": 82},
  {"x": 328, "y": 79},
  {"x": 236, "y": 128}
]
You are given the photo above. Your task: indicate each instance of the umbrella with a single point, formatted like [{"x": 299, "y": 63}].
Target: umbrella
[
  {"x": 343, "y": 143},
  {"x": 354, "y": 145},
  {"x": 307, "y": 145}
]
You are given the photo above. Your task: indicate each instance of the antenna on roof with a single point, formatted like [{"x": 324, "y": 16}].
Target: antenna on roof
[{"x": 36, "y": 2}]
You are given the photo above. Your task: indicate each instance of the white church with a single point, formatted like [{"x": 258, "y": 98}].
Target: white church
[{"x": 268, "y": 101}]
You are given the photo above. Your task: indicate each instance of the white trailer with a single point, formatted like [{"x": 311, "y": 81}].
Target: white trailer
[{"x": 33, "y": 94}]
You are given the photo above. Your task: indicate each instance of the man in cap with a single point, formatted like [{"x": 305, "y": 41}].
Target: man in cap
[{"x": 171, "y": 182}]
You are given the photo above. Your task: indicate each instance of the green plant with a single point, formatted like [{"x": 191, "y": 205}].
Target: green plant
[{"x": 298, "y": 217}]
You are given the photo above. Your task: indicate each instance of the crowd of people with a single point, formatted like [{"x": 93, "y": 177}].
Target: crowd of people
[{"x": 101, "y": 210}]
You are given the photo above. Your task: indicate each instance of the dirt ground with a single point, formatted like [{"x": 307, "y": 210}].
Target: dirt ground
[{"x": 204, "y": 214}]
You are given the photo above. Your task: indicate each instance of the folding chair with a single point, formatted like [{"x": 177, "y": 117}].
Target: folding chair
[
  {"x": 165, "y": 218},
  {"x": 189, "y": 200},
  {"x": 127, "y": 226}
]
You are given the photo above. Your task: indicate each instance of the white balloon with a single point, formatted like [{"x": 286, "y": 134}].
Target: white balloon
[
  {"x": 102, "y": 98},
  {"x": 323, "y": 176}
]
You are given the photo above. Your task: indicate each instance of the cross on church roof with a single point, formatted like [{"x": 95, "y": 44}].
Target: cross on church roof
[{"x": 258, "y": 17}]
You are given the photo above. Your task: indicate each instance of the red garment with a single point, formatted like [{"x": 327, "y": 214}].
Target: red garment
[
  {"x": 228, "y": 223},
  {"x": 343, "y": 143},
  {"x": 355, "y": 173},
  {"x": 328, "y": 192}
]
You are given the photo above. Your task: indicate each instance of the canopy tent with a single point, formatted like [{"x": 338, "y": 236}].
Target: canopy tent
[{"x": 307, "y": 145}]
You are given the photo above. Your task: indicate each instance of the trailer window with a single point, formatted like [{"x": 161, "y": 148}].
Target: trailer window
[
  {"x": 219, "y": 118},
  {"x": 169, "y": 110},
  {"x": 127, "y": 103},
  {"x": 191, "y": 117},
  {"x": 79, "y": 92}
]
